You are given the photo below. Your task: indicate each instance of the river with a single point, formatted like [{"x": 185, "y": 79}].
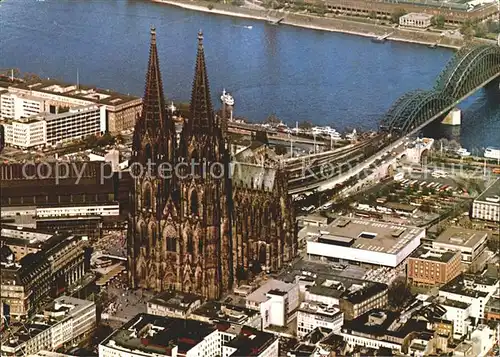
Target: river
[{"x": 330, "y": 79}]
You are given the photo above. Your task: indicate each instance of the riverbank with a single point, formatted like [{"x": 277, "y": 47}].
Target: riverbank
[{"x": 332, "y": 24}]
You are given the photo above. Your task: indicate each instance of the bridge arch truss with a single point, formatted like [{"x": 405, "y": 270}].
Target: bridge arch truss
[
  {"x": 413, "y": 109},
  {"x": 468, "y": 69}
]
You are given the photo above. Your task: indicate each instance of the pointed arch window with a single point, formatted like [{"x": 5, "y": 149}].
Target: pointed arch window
[
  {"x": 153, "y": 235},
  {"x": 147, "y": 197},
  {"x": 149, "y": 152},
  {"x": 200, "y": 246},
  {"x": 190, "y": 245},
  {"x": 193, "y": 202},
  {"x": 144, "y": 234},
  {"x": 171, "y": 244}
]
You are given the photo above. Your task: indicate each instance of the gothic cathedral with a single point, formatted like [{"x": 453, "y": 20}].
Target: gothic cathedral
[{"x": 200, "y": 221}]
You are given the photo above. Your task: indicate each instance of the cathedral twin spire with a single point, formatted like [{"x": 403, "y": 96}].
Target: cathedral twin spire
[
  {"x": 155, "y": 125},
  {"x": 201, "y": 120},
  {"x": 153, "y": 106}
]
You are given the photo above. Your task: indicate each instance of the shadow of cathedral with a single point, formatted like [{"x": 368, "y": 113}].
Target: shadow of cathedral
[{"x": 210, "y": 222}]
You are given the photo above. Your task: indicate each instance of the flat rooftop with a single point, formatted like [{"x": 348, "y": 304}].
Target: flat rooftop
[
  {"x": 352, "y": 290},
  {"x": 271, "y": 286},
  {"x": 367, "y": 235},
  {"x": 466, "y": 284},
  {"x": 152, "y": 334},
  {"x": 251, "y": 342},
  {"x": 215, "y": 311},
  {"x": 461, "y": 237},
  {"x": 91, "y": 94},
  {"x": 434, "y": 254},
  {"x": 492, "y": 192}
]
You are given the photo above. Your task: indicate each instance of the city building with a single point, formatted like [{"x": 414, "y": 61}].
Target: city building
[
  {"x": 18, "y": 106},
  {"x": 492, "y": 309},
  {"x": 26, "y": 133},
  {"x": 78, "y": 210},
  {"x": 365, "y": 242},
  {"x": 276, "y": 301},
  {"x": 252, "y": 342},
  {"x": 429, "y": 266},
  {"x": 487, "y": 206},
  {"x": 45, "y": 128},
  {"x": 66, "y": 322},
  {"x": 173, "y": 304},
  {"x": 480, "y": 343},
  {"x": 23, "y": 241},
  {"x": 453, "y": 13},
  {"x": 313, "y": 315},
  {"x": 61, "y": 261},
  {"x": 146, "y": 335},
  {"x": 458, "y": 312},
  {"x": 473, "y": 290},
  {"x": 75, "y": 124},
  {"x": 53, "y": 97},
  {"x": 216, "y": 312},
  {"x": 416, "y": 19},
  {"x": 353, "y": 296},
  {"x": 471, "y": 243},
  {"x": 209, "y": 234},
  {"x": 86, "y": 196}
]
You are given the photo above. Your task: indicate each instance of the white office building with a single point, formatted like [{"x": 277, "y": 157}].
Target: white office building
[
  {"x": 148, "y": 335},
  {"x": 470, "y": 242},
  {"x": 473, "y": 290},
  {"x": 75, "y": 124},
  {"x": 15, "y": 106},
  {"x": 487, "y": 206},
  {"x": 104, "y": 210},
  {"x": 313, "y": 315},
  {"x": 359, "y": 241},
  {"x": 276, "y": 301},
  {"x": 66, "y": 321},
  {"x": 25, "y": 133},
  {"x": 45, "y": 128}
]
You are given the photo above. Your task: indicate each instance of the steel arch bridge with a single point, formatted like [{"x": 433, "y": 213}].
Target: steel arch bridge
[
  {"x": 471, "y": 68},
  {"x": 414, "y": 109}
]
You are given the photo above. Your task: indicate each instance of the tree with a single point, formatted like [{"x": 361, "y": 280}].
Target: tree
[
  {"x": 493, "y": 245},
  {"x": 399, "y": 293},
  {"x": 91, "y": 141},
  {"x": 372, "y": 15},
  {"x": 238, "y": 2},
  {"x": 396, "y": 15},
  {"x": 467, "y": 30},
  {"x": 119, "y": 139},
  {"x": 272, "y": 120},
  {"x": 438, "y": 21}
]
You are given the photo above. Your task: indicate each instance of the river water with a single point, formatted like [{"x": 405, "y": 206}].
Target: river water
[{"x": 330, "y": 79}]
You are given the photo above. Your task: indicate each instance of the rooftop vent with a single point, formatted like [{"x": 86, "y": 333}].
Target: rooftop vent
[{"x": 494, "y": 199}]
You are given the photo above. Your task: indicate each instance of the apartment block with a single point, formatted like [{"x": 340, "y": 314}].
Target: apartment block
[
  {"x": 65, "y": 322},
  {"x": 429, "y": 266}
]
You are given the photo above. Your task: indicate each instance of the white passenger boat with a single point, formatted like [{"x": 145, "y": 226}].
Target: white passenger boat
[
  {"x": 227, "y": 98},
  {"x": 492, "y": 153},
  {"x": 463, "y": 152}
]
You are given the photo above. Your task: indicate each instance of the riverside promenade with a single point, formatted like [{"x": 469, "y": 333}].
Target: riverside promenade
[{"x": 327, "y": 23}]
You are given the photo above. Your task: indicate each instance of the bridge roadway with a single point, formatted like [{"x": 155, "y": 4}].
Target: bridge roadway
[
  {"x": 330, "y": 183},
  {"x": 306, "y": 168},
  {"x": 272, "y": 135}
]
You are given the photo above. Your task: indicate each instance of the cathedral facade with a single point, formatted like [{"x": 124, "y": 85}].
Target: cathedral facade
[{"x": 200, "y": 222}]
